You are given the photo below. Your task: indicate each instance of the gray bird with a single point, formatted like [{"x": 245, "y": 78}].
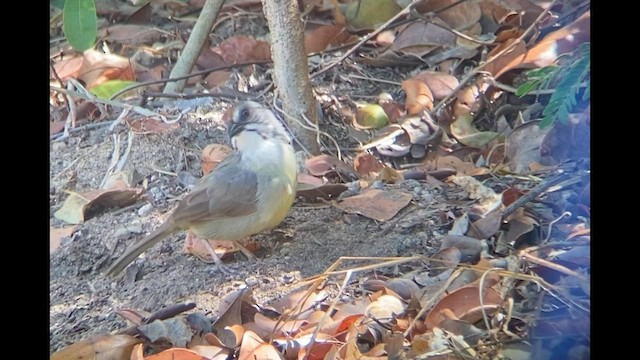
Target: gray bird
[{"x": 250, "y": 191}]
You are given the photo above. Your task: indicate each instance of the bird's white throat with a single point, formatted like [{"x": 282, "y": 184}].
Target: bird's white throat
[{"x": 263, "y": 151}]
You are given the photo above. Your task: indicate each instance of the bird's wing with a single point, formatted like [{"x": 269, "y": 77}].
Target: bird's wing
[{"x": 228, "y": 191}]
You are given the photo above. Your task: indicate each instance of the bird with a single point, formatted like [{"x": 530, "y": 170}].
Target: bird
[{"x": 249, "y": 192}]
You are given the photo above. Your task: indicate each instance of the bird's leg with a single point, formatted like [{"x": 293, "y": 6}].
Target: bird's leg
[
  {"x": 214, "y": 257},
  {"x": 246, "y": 251}
]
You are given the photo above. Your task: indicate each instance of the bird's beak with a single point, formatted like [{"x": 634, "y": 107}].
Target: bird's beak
[{"x": 234, "y": 128}]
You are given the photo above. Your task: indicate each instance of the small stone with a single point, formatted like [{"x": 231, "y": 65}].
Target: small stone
[
  {"x": 284, "y": 251},
  {"x": 145, "y": 209},
  {"x": 251, "y": 281},
  {"x": 122, "y": 233},
  {"x": 134, "y": 229},
  {"x": 377, "y": 185},
  {"x": 58, "y": 146}
]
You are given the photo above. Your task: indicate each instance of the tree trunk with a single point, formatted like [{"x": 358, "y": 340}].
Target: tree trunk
[
  {"x": 192, "y": 49},
  {"x": 290, "y": 68}
]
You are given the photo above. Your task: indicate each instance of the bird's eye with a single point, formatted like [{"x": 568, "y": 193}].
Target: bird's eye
[{"x": 244, "y": 114}]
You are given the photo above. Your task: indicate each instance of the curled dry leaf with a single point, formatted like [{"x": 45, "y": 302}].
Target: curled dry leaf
[
  {"x": 79, "y": 207},
  {"x": 440, "y": 84},
  {"x": 466, "y": 133},
  {"x": 487, "y": 226},
  {"x": 385, "y": 309},
  {"x": 469, "y": 247},
  {"x": 150, "y": 125},
  {"x": 464, "y": 304},
  {"x": 253, "y": 347},
  {"x": 102, "y": 346},
  {"x": 323, "y": 164},
  {"x": 419, "y": 96},
  {"x": 365, "y": 163}
]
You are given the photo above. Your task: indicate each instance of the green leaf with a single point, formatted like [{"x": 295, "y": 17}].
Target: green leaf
[
  {"x": 526, "y": 88},
  {"x": 58, "y": 4},
  {"x": 109, "y": 88},
  {"x": 80, "y": 23}
]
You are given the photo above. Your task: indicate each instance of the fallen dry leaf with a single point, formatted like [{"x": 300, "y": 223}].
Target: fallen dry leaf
[
  {"x": 79, "y": 207},
  {"x": 321, "y": 37},
  {"x": 212, "y": 155},
  {"x": 99, "y": 347},
  {"x": 419, "y": 96},
  {"x": 56, "y": 235},
  {"x": 464, "y": 303},
  {"x": 488, "y": 200},
  {"x": 440, "y": 84},
  {"x": 177, "y": 354},
  {"x": 253, "y": 347},
  {"x": 95, "y": 67},
  {"x": 241, "y": 49},
  {"x": 460, "y": 16},
  {"x": 380, "y": 205}
]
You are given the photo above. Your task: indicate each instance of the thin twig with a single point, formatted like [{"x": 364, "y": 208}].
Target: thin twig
[
  {"x": 533, "y": 193},
  {"x": 58, "y": 136},
  {"x": 137, "y": 109}
]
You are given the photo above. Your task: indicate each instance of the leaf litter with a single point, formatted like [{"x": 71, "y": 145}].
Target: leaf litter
[{"x": 481, "y": 262}]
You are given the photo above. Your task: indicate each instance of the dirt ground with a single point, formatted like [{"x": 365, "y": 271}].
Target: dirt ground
[{"x": 83, "y": 302}]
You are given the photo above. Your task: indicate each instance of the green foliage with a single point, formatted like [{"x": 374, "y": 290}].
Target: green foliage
[
  {"x": 59, "y": 4},
  {"x": 109, "y": 88},
  {"x": 567, "y": 78},
  {"x": 80, "y": 23}
]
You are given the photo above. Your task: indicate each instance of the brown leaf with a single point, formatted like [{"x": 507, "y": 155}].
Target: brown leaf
[
  {"x": 209, "y": 59},
  {"x": 464, "y": 303},
  {"x": 98, "y": 347},
  {"x": 422, "y": 37},
  {"x": 459, "y": 17},
  {"x": 419, "y": 96},
  {"x": 322, "y": 164},
  {"x": 56, "y": 235},
  {"x": 559, "y": 42},
  {"x": 177, "y": 354},
  {"x": 322, "y": 36},
  {"x": 512, "y": 59},
  {"x": 380, "y": 205},
  {"x": 469, "y": 247},
  {"x": 240, "y": 49},
  {"x": 56, "y": 127},
  {"x": 217, "y": 78},
  {"x": 212, "y": 155},
  {"x": 486, "y": 226},
  {"x": 253, "y": 347},
  {"x": 79, "y": 207},
  {"x": 440, "y": 84},
  {"x": 366, "y": 163},
  {"x": 95, "y": 67}
]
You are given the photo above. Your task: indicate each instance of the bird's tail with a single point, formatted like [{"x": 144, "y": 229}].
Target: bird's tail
[{"x": 139, "y": 247}]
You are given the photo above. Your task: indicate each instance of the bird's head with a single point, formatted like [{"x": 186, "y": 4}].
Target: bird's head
[{"x": 252, "y": 122}]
